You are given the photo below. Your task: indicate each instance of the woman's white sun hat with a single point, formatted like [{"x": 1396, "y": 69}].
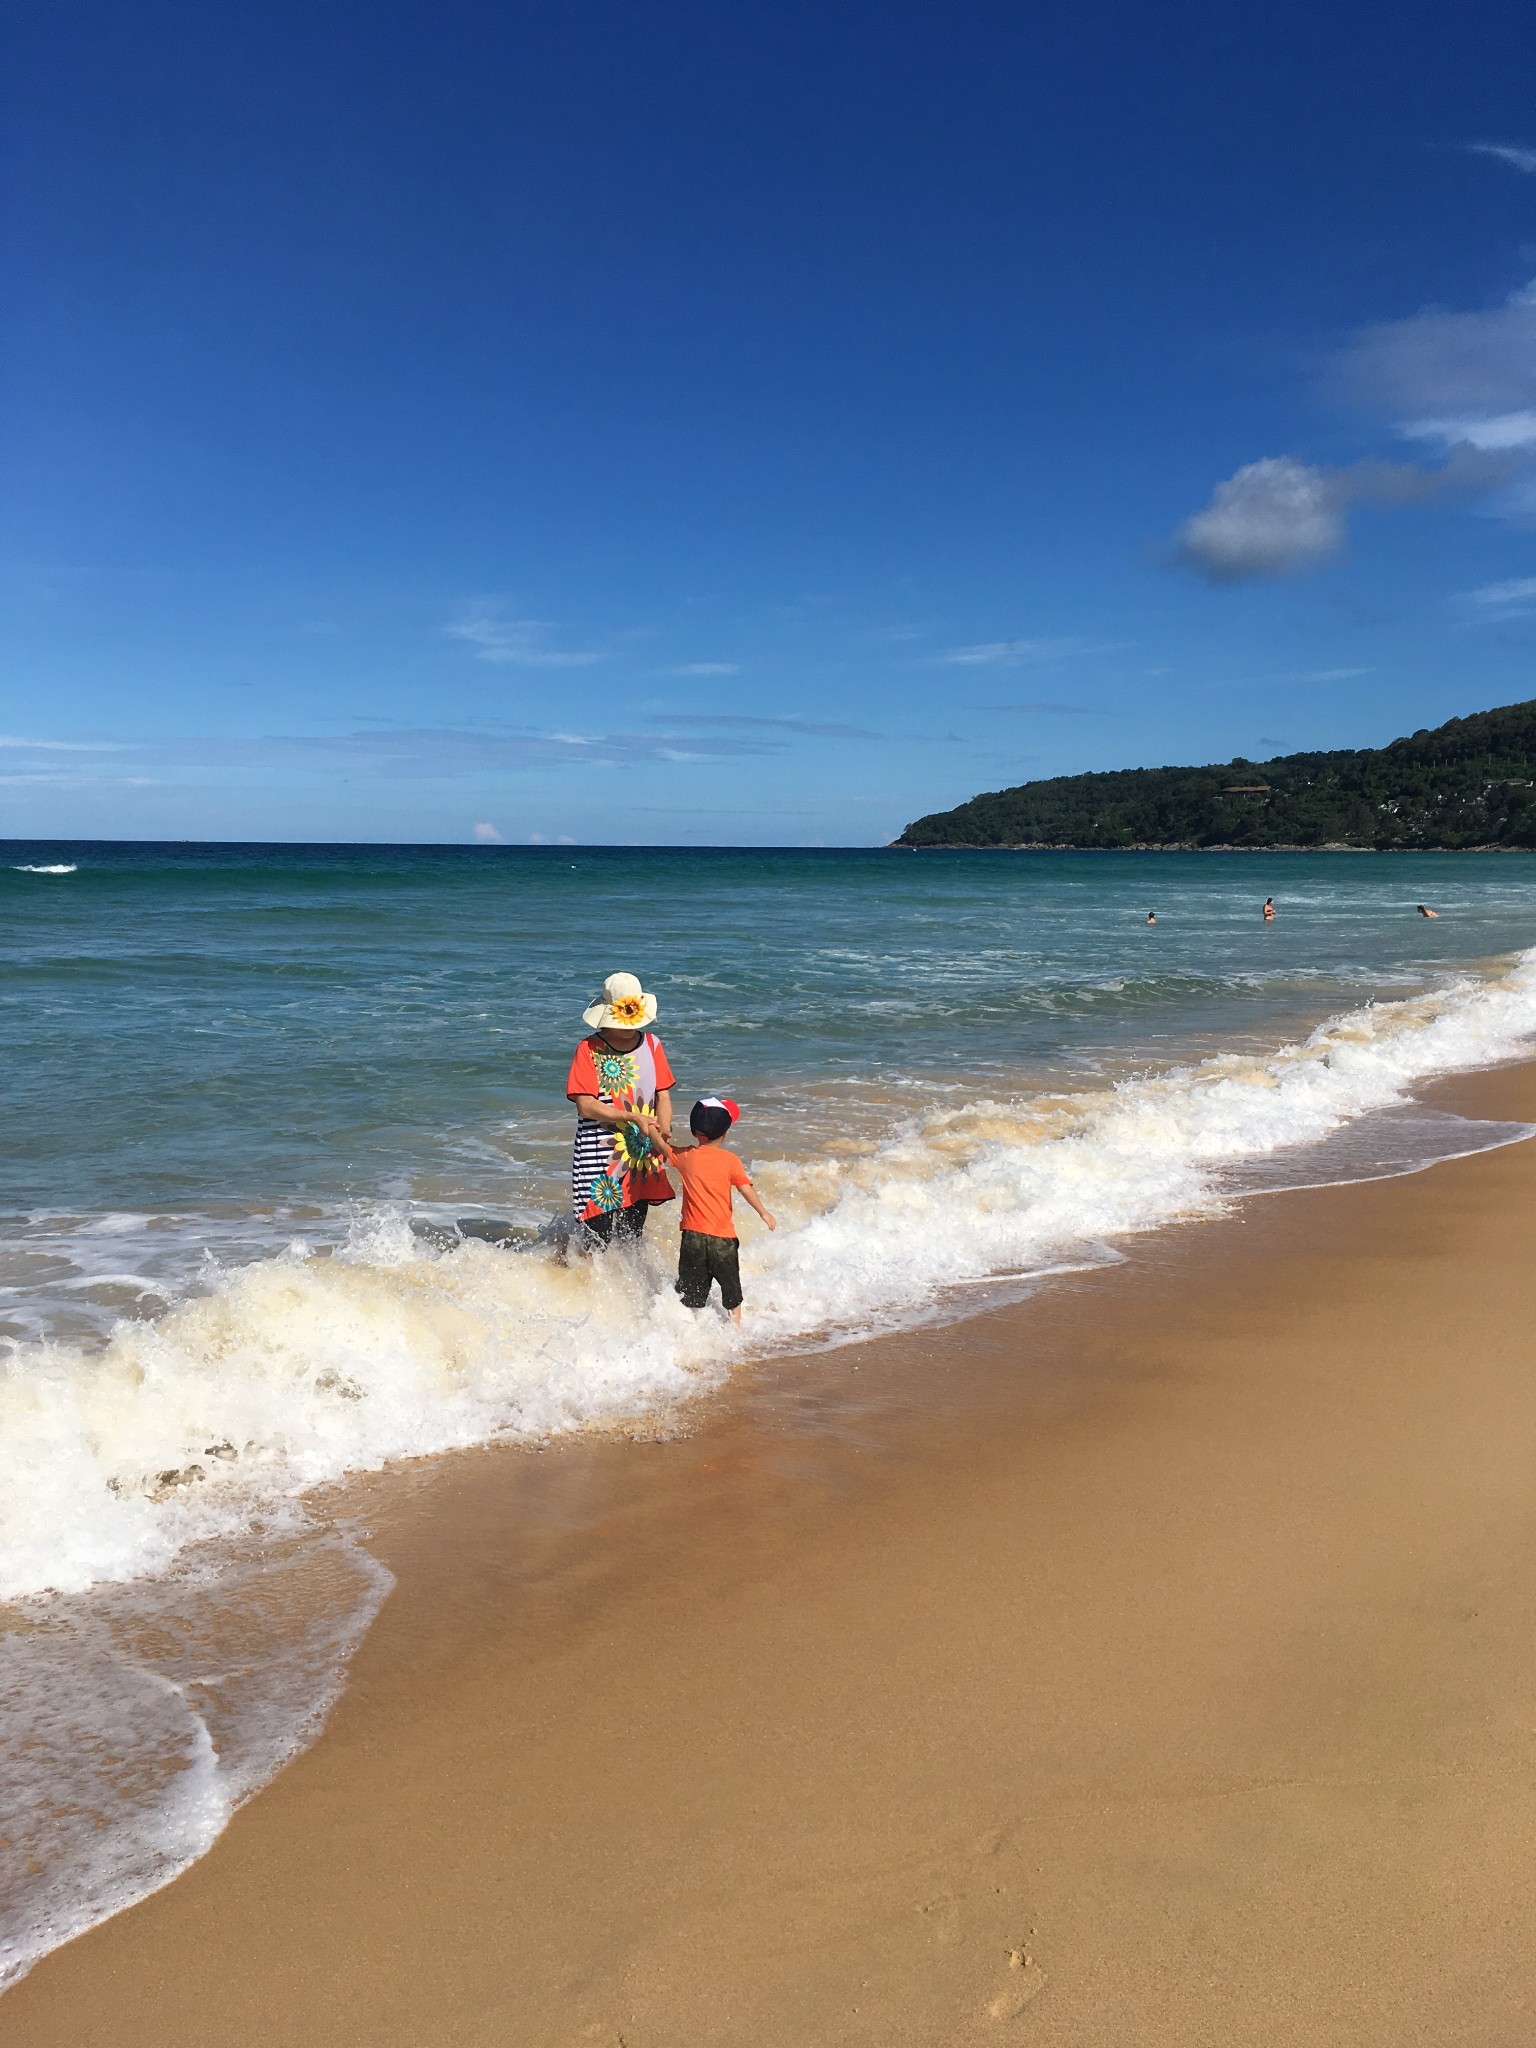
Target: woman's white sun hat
[{"x": 622, "y": 1006}]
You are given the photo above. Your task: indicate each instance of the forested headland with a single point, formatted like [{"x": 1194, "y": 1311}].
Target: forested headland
[{"x": 1470, "y": 783}]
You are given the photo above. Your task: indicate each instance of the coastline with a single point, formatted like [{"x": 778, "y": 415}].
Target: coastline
[
  {"x": 1174, "y": 846},
  {"x": 1170, "y": 1633}
]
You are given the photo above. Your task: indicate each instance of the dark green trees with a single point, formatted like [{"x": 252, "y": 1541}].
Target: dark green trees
[{"x": 1469, "y": 783}]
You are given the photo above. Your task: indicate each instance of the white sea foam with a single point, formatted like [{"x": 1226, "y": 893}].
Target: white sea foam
[
  {"x": 67, "y": 867},
  {"x": 297, "y": 1369},
  {"x": 137, "y": 1719}
]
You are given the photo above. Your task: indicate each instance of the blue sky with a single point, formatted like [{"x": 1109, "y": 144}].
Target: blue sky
[{"x": 754, "y": 424}]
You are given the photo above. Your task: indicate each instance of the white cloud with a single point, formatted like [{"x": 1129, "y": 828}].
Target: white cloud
[
  {"x": 725, "y": 721},
  {"x": 522, "y": 643},
  {"x": 1497, "y": 431},
  {"x": 1271, "y": 518},
  {"x": 1016, "y": 653},
  {"x": 1279, "y": 516},
  {"x": 1323, "y": 675},
  {"x": 1512, "y": 153},
  {"x": 707, "y": 668},
  {"x": 487, "y": 835},
  {"x": 41, "y": 779},
  {"x": 1441, "y": 375},
  {"x": 1463, "y": 382},
  {"x": 454, "y": 752},
  {"x": 1503, "y": 600},
  {"x": 66, "y": 746},
  {"x": 1038, "y": 710}
]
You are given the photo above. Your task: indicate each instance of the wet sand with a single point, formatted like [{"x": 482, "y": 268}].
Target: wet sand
[{"x": 1152, "y": 1663}]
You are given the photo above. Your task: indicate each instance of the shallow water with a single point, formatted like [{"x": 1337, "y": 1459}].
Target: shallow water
[{"x": 235, "y": 1077}]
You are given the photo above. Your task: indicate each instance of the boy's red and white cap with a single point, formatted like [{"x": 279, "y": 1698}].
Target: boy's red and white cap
[{"x": 720, "y": 1102}]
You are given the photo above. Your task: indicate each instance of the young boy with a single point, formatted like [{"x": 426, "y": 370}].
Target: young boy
[{"x": 710, "y": 1175}]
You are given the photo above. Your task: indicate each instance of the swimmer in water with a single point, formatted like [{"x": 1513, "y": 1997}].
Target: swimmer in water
[
  {"x": 1269, "y": 909},
  {"x": 1425, "y": 911},
  {"x": 1151, "y": 917}
]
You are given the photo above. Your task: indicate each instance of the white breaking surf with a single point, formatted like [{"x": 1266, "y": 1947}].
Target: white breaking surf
[{"x": 295, "y": 1370}]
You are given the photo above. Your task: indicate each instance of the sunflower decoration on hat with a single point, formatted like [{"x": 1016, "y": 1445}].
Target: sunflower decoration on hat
[{"x": 623, "y": 1006}]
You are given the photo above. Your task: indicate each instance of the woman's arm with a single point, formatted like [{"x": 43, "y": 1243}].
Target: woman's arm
[
  {"x": 598, "y": 1112},
  {"x": 664, "y": 1111}
]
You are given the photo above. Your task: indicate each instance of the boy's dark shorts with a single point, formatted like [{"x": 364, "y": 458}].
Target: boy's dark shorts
[{"x": 702, "y": 1260}]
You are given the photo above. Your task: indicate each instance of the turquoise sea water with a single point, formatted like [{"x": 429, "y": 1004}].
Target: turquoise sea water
[{"x": 239, "y": 1080}]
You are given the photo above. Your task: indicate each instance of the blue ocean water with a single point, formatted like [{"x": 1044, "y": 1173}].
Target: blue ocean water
[
  {"x": 195, "y": 1028},
  {"x": 239, "y": 1080}
]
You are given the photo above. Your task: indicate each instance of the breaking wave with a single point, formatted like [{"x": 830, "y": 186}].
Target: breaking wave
[{"x": 297, "y": 1369}]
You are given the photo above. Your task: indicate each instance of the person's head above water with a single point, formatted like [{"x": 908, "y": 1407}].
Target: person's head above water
[
  {"x": 623, "y": 1007},
  {"x": 710, "y": 1118}
]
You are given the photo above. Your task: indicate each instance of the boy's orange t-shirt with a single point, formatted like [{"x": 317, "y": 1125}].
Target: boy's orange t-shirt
[{"x": 708, "y": 1174}]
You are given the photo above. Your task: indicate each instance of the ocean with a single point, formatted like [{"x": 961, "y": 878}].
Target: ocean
[{"x": 249, "y": 1090}]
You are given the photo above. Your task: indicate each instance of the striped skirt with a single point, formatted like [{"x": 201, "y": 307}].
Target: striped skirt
[{"x": 591, "y": 1159}]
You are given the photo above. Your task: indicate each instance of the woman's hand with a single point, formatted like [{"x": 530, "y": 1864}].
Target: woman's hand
[
  {"x": 597, "y": 1112},
  {"x": 645, "y": 1121}
]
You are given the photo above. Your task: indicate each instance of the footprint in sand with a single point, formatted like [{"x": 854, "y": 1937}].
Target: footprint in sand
[{"x": 1026, "y": 1982}]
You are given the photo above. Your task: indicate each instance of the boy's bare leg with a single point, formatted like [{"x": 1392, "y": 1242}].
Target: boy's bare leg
[{"x": 736, "y": 1317}]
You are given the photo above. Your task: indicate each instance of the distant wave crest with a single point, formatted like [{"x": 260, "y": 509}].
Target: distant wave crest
[{"x": 65, "y": 867}]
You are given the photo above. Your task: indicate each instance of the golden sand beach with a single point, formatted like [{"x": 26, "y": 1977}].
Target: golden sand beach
[{"x": 1149, "y": 1665}]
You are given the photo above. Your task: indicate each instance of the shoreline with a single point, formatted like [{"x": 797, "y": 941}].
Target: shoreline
[{"x": 1168, "y": 1632}]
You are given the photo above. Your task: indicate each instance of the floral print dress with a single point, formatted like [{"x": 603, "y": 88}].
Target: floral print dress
[{"x": 602, "y": 1178}]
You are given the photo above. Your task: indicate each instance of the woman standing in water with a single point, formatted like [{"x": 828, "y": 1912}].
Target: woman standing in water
[{"x": 621, "y": 1085}]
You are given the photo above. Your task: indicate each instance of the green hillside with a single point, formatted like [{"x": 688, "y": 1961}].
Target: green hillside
[{"x": 1471, "y": 783}]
